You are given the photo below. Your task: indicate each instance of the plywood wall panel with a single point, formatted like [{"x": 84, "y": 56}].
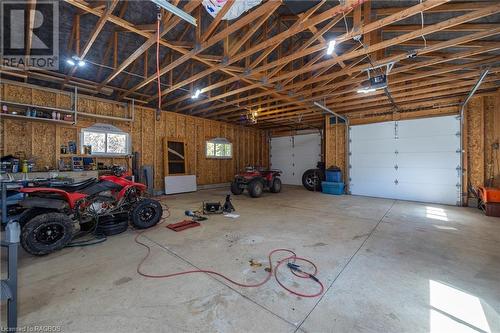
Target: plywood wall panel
[
  {"x": 44, "y": 144},
  {"x": 105, "y": 109},
  {"x": 148, "y": 138},
  {"x": 43, "y": 98},
  {"x": 19, "y": 94},
  {"x": 86, "y": 105},
  {"x": 17, "y": 137}
]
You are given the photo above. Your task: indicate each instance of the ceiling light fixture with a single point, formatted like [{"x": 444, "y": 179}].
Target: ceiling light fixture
[
  {"x": 196, "y": 94},
  {"x": 70, "y": 62},
  {"x": 366, "y": 90},
  {"x": 331, "y": 47},
  {"x": 81, "y": 63}
]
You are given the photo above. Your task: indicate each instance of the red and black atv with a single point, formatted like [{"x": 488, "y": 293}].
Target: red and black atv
[
  {"x": 256, "y": 181},
  {"x": 57, "y": 214}
]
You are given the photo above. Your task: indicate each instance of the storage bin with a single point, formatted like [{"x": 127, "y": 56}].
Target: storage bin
[
  {"x": 334, "y": 176},
  {"x": 336, "y": 188}
]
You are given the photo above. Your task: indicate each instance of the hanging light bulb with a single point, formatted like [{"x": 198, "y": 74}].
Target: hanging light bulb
[
  {"x": 196, "y": 94},
  {"x": 331, "y": 47}
]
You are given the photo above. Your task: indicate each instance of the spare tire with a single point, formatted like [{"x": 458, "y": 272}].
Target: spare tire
[
  {"x": 312, "y": 178},
  {"x": 146, "y": 213},
  {"x": 110, "y": 229}
]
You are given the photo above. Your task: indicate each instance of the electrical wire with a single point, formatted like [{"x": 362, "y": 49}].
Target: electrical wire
[
  {"x": 422, "y": 29},
  {"x": 271, "y": 270}
]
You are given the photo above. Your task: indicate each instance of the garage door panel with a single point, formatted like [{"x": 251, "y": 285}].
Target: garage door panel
[
  {"x": 373, "y": 188},
  {"x": 437, "y": 126},
  {"x": 281, "y": 155},
  {"x": 436, "y": 143},
  {"x": 371, "y": 174},
  {"x": 306, "y": 154},
  {"x": 294, "y": 155},
  {"x": 432, "y": 193},
  {"x": 374, "y": 146},
  {"x": 431, "y": 160},
  {"x": 421, "y": 176},
  {"x": 369, "y": 132},
  {"x": 373, "y": 160},
  {"x": 425, "y": 152}
]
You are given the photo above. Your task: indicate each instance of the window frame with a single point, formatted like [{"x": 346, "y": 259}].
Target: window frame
[
  {"x": 215, "y": 142},
  {"x": 106, "y": 129}
]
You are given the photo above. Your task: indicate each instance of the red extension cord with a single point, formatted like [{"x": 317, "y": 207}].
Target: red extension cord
[
  {"x": 158, "y": 61},
  {"x": 292, "y": 257}
]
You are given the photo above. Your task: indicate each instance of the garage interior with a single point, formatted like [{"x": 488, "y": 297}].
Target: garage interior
[{"x": 250, "y": 166}]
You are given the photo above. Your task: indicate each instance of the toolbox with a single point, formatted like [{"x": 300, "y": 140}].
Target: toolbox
[
  {"x": 492, "y": 209},
  {"x": 489, "y": 194}
]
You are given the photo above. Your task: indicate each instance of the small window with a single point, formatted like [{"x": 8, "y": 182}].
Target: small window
[
  {"x": 105, "y": 140},
  {"x": 219, "y": 148}
]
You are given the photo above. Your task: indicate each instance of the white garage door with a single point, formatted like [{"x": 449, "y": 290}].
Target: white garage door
[
  {"x": 295, "y": 154},
  {"x": 417, "y": 160}
]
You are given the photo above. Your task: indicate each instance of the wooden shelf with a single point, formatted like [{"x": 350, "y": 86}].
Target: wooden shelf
[
  {"x": 18, "y": 116},
  {"x": 95, "y": 156},
  {"x": 39, "y": 107}
]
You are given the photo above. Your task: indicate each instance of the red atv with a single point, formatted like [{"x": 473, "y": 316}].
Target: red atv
[
  {"x": 256, "y": 181},
  {"x": 57, "y": 214}
]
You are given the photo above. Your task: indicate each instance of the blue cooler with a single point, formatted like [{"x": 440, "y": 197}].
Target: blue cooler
[{"x": 336, "y": 188}]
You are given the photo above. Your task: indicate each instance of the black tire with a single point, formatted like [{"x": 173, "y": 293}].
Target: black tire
[
  {"x": 30, "y": 213},
  {"x": 236, "y": 189},
  {"x": 110, "y": 229},
  {"x": 312, "y": 178},
  {"x": 255, "y": 188},
  {"x": 276, "y": 187},
  {"x": 46, "y": 233},
  {"x": 146, "y": 213}
]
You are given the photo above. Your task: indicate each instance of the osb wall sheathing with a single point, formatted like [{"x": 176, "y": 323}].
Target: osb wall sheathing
[
  {"x": 42, "y": 140},
  {"x": 335, "y": 146}
]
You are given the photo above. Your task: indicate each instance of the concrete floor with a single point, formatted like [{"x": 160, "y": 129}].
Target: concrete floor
[{"x": 388, "y": 266}]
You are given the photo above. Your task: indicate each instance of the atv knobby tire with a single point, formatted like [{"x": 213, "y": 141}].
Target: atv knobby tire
[
  {"x": 255, "y": 188},
  {"x": 146, "y": 213},
  {"x": 46, "y": 233}
]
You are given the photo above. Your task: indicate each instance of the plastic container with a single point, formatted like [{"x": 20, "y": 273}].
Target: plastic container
[
  {"x": 334, "y": 176},
  {"x": 336, "y": 188}
]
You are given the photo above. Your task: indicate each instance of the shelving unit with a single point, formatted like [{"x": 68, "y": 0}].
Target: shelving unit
[
  {"x": 48, "y": 109},
  {"x": 99, "y": 157},
  {"x": 17, "y": 116}
]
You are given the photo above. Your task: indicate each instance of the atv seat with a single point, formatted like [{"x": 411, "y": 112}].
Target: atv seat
[{"x": 75, "y": 187}]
